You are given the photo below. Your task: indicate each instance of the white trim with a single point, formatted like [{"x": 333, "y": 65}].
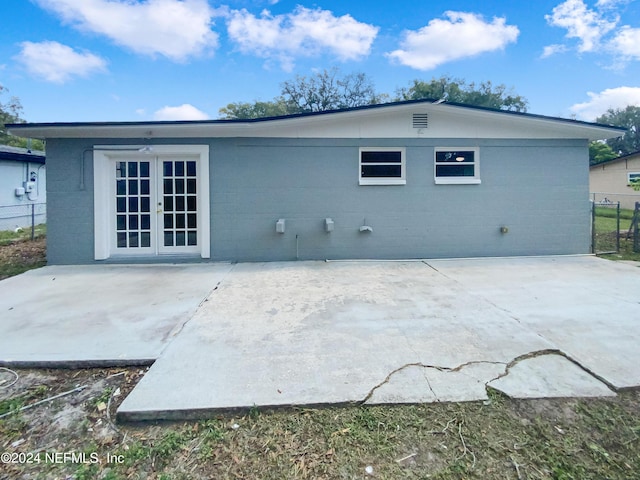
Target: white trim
[
  {"x": 475, "y": 180},
  {"x": 384, "y": 180},
  {"x": 636, "y": 174},
  {"x": 103, "y": 155}
]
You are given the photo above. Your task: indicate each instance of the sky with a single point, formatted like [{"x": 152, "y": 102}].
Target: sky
[{"x": 145, "y": 60}]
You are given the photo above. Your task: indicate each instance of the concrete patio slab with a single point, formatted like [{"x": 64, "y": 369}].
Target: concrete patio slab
[
  {"x": 587, "y": 306},
  {"x": 549, "y": 376},
  {"x": 310, "y": 333},
  {"x": 99, "y": 314}
]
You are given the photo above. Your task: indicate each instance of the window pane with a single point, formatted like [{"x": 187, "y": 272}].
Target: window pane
[
  {"x": 144, "y": 169},
  {"x": 121, "y": 222},
  {"x": 192, "y": 220},
  {"x": 121, "y": 187},
  {"x": 122, "y": 240},
  {"x": 179, "y": 204},
  {"x": 145, "y": 222},
  {"x": 191, "y": 169},
  {"x": 455, "y": 157},
  {"x": 381, "y": 157},
  {"x": 145, "y": 239},
  {"x": 460, "y": 170},
  {"x": 145, "y": 205},
  {"x": 133, "y": 169},
  {"x": 133, "y": 222},
  {"x": 133, "y": 187},
  {"x": 168, "y": 220},
  {"x": 191, "y": 203},
  {"x": 121, "y": 204},
  {"x": 168, "y": 204},
  {"x": 179, "y": 166},
  {"x": 380, "y": 171},
  {"x": 192, "y": 238},
  {"x": 191, "y": 185},
  {"x": 167, "y": 168},
  {"x": 133, "y": 239},
  {"x": 133, "y": 204},
  {"x": 168, "y": 186},
  {"x": 180, "y": 220},
  {"x": 168, "y": 239},
  {"x": 180, "y": 239},
  {"x": 121, "y": 169},
  {"x": 179, "y": 186},
  {"x": 144, "y": 187}
]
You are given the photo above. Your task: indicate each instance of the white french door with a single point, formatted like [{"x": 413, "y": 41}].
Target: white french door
[{"x": 155, "y": 204}]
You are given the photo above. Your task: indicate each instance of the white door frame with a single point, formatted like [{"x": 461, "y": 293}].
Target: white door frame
[{"x": 104, "y": 158}]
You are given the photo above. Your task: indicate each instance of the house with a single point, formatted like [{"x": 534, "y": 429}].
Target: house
[
  {"x": 610, "y": 181},
  {"x": 415, "y": 179},
  {"x": 22, "y": 187}
]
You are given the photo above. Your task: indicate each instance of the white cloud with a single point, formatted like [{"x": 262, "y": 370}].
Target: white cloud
[
  {"x": 304, "y": 32},
  {"x": 183, "y": 112},
  {"x": 176, "y": 29},
  {"x": 461, "y": 35},
  {"x": 58, "y": 63},
  {"x": 599, "y": 103},
  {"x": 626, "y": 43},
  {"x": 552, "y": 50},
  {"x": 587, "y": 25}
]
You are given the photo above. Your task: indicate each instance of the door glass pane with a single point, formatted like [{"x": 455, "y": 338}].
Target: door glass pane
[
  {"x": 133, "y": 169},
  {"x": 145, "y": 239},
  {"x": 179, "y": 186},
  {"x": 133, "y": 222},
  {"x": 179, "y": 169},
  {"x": 133, "y": 239},
  {"x": 145, "y": 205},
  {"x": 144, "y": 169},
  {"x": 122, "y": 240},
  {"x": 180, "y": 239},
  {"x": 191, "y": 203},
  {"x": 191, "y": 185},
  {"x": 192, "y": 238},
  {"x": 179, "y": 204},
  {"x": 133, "y": 187},
  {"x": 168, "y": 220},
  {"x": 121, "y": 187},
  {"x": 191, "y": 169},
  {"x": 167, "y": 169},
  {"x": 180, "y": 220},
  {"x": 145, "y": 222},
  {"x": 168, "y": 239},
  {"x": 144, "y": 187},
  {"x": 121, "y": 222},
  {"x": 168, "y": 186},
  {"x": 168, "y": 204},
  {"x": 191, "y": 220}
]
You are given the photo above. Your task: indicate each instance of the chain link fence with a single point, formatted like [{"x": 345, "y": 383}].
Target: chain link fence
[
  {"x": 614, "y": 229},
  {"x": 23, "y": 217}
]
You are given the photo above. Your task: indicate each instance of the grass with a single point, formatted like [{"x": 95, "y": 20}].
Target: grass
[
  {"x": 606, "y": 228},
  {"x": 8, "y": 237}
]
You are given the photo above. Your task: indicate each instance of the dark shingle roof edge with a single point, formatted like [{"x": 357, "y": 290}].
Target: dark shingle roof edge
[
  {"x": 17, "y": 154},
  {"x": 18, "y": 126}
]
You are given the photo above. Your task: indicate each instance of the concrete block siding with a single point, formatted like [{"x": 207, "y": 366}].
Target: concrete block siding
[{"x": 539, "y": 189}]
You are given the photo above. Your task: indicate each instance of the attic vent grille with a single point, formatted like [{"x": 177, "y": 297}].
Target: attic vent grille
[{"x": 420, "y": 120}]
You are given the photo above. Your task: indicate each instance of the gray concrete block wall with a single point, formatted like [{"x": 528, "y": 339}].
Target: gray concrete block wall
[{"x": 538, "y": 188}]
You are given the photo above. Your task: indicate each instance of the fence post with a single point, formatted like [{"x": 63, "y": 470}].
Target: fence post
[
  {"x": 618, "y": 229},
  {"x": 636, "y": 229},
  {"x": 593, "y": 226},
  {"x": 33, "y": 221}
]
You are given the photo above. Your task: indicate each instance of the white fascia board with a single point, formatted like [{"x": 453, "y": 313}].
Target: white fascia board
[{"x": 394, "y": 121}]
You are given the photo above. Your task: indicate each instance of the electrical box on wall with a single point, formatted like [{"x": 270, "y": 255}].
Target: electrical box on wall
[{"x": 20, "y": 191}]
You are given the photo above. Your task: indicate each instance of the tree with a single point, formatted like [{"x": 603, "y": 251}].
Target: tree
[
  {"x": 458, "y": 91},
  {"x": 325, "y": 90},
  {"x": 244, "y": 110},
  {"x": 629, "y": 118},
  {"x": 600, "y": 152},
  {"x": 10, "y": 112}
]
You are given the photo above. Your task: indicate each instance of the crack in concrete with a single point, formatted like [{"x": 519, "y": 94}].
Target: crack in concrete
[
  {"x": 425, "y": 366},
  {"x": 507, "y": 368}
]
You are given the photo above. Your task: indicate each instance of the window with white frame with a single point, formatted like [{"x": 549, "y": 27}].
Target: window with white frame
[
  {"x": 457, "y": 165},
  {"x": 382, "y": 166},
  {"x": 633, "y": 178}
]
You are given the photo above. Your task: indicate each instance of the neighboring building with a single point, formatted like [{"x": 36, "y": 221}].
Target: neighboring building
[
  {"x": 610, "y": 181},
  {"x": 412, "y": 179},
  {"x": 22, "y": 184}
]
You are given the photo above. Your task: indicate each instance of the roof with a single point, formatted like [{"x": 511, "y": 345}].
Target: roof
[
  {"x": 17, "y": 154},
  {"x": 628, "y": 156},
  {"x": 388, "y": 120}
]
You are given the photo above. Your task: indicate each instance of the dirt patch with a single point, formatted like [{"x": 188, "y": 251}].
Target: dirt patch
[
  {"x": 74, "y": 436},
  {"x": 20, "y": 256}
]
